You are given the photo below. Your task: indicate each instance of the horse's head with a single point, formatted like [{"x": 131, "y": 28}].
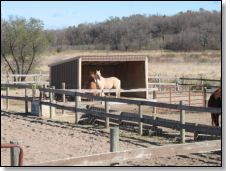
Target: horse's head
[
  {"x": 92, "y": 75},
  {"x": 98, "y": 74}
]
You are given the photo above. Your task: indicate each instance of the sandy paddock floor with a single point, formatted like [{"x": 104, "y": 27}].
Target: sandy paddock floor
[{"x": 45, "y": 140}]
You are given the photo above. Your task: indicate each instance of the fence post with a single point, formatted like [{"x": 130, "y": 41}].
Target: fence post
[
  {"x": 35, "y": 78},
  {"x": 140, "y": 117},
  {"x": 40, "y": 75},
  {"x": 76, "y": 106},
  {"x": 106, "y": 111},
  {"x": 205, "y": 96},
  {"x": 196, "y": 133},
  {"x": 182, "y": 121},
  {"x": 7, "y": 78},
  {"x": 202, "y": 81},
  {"x": 177, "y": 83},
  {"x": 26, "y": 100},
  {"x": 41, "y": 98},
  {"x": 154, "y": 100},
  {"x": 114, "y": 139},
  {"x": 63, "y": 96},
  {"x": 14, "y": 152},
  {"x": 33, "y": 91},
  {"x": 159, "y": 82},
  {"x": 189, "y": 95},
  {"x": 154, "y": 109},
  {"x": 51, "y": 100}
]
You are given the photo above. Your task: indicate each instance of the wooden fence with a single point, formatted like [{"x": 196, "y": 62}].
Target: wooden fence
[
  {"x": 38, "y": 79},
  {"x": 177, "y": 81},
  {"x": 134, "y": 117},
  {"x": 138, "y": 118},
  {"x": 25, "y": 98},
  {"x": 106, "y": 159}
]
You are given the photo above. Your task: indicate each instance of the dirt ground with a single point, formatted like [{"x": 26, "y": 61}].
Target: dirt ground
[{"x": 45, "y": 140}]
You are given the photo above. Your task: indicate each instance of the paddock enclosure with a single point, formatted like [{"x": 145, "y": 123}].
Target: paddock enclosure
[{"x": 131, "y": 70}]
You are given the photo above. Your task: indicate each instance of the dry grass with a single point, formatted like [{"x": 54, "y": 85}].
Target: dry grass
[{"x": 206, "y": 64}]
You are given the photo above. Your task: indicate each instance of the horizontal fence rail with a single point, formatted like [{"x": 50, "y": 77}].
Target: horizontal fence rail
[
  {"x": 136, "y": 102},
  {"x": 136, "y": 154},
  {"x": 16, "y": 85},
  {"x": 112, "y": 90},
  {"x": 161, "y": 80},
  {"x": 199, "y": 79},
  {"x": 16, "y": 78}
]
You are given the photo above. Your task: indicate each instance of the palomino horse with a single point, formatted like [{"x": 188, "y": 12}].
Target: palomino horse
[
  {"x": 215, "y": 101},
  {"x": 92, "y": 83},
  {"x": 107, "y": 83}
]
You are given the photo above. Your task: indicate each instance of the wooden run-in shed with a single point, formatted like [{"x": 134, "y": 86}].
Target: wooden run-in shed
[{"x": 131, "y": 70}]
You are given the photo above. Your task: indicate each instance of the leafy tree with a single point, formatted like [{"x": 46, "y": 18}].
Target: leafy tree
[
  {"x": 186, "y": 31},
  {"x": 22, "y": 41}
]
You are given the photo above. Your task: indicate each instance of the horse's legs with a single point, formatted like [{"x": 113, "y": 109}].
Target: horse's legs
[
  {"x": 217, "y": 119},
  {"x": 213, "y": 119}
]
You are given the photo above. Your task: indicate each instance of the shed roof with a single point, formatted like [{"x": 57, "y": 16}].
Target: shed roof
[{"x": 103, "y": 58}]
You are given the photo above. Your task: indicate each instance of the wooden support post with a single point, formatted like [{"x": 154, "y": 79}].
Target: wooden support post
[
  {"x": 34, "y": 78},
  {"x": 182, "y": 121},
  {"x": 33, "y": 91},
  {"x": 159, "y": 82},
  {"x": 53, "y": 94},
  {"x": 177, "y": 83},
  {"x": 7, "y": 78},
  {"x": 140, "y": 122},
  {"x": 14, "y": 152},
  {"x": 196, "y": 133},
  {"x": 63, "y": 96},
  {"x": 201, "y": 80},
  {"x": 7, "y": 100},
  {"x": 42, "y": 96},
  {"x": 205, "y": 96},
  {"x": 26, "y": 100},
  {"x": 189, "y": 96},
  {"x": 154, "y": 100},
  {"x": 114, "y": 139},
  {"x": 154, "y": 109},
  {"x": 76, "y": 106},
  {"x": 106, "y": 111},
  {"x": 51, "y": 100}
]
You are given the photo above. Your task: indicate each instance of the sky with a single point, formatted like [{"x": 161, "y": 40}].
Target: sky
[{"x": 61, "y": 14}]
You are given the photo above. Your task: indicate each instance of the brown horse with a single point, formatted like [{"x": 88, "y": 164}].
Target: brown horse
[
  {"x": 92, "y": 83},
  {"x": 215, "y": 101}
]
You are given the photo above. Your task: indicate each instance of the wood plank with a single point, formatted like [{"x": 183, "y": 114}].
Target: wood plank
[
  {"x": 25, "y": 75},
  {"x": 26, "y": 82},
  {"x": 136, "y": 102},
  {"x": 113, "y": 90},
  {"x": 17, "y": 98},
  {"x": 142, "y": 153},
  {"x": 16, "y": 86},
  {"x": 199, "y": 79},
  {"x": 189, "y": 127},
  {"x": 173, "y": 84},
  {"x": 133, "y": 117}
]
